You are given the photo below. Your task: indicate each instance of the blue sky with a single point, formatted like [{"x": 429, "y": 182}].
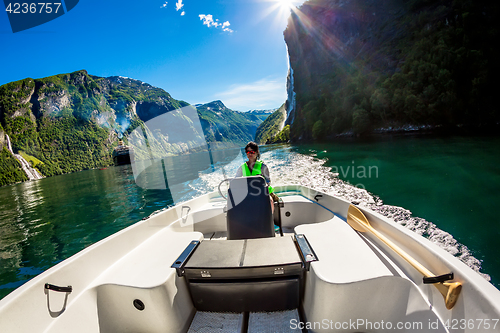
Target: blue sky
[{"x": 198, "y": 51}]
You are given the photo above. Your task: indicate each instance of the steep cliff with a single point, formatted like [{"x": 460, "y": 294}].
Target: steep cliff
[
  {"x": 71, "y": 122},
  {"x": 360, "y": 65},
  {"x": 3, "y": 139}
]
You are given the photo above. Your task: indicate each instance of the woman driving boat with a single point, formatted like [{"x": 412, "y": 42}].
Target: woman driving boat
[{"x": 254, "y": 167}]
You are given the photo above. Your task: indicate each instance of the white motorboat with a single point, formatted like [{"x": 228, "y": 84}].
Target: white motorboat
[{"x": 216, "y": 265}]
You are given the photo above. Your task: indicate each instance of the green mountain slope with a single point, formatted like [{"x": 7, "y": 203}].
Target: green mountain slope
[
  {"x": 270, "y": 131},
  {"x": 71, "y": 122},
  {"x": 10, "y": 169}
]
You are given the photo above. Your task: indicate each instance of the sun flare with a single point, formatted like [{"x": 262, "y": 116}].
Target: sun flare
[
  {"x": 285, "y": 4},
  {"x": 280, "y": 11}
]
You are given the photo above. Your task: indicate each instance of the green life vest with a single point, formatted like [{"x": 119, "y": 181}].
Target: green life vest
[{"x": 255, "y": 172}]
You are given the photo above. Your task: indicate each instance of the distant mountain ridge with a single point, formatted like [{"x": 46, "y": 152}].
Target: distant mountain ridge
[
  {"x": 223, "y": 124},
  {"x": 71, "y": 122},
  {"x": 262, "y": 111}
]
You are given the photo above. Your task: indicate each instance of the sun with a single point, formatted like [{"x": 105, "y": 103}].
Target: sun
[
  {"x": 285, "y": 4},
  {"x": 280, "y": 11}
]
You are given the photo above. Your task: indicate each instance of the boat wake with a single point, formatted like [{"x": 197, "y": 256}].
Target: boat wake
[{"x": 289, "y": 167}]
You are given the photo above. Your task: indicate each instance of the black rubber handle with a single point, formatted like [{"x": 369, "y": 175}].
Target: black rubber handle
[
  {"x": 438, "y": 279},
  {"x": 67, "y": 289}
]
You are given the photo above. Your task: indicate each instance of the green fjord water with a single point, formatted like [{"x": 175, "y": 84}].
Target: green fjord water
[
  {"x": 450, "y": 182},
  {"x": 46, "y": 221}
]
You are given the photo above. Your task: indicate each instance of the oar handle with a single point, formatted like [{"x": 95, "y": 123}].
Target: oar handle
[
  {"x": 450, "y": 290},
  {"x": 412, "y": 261}
]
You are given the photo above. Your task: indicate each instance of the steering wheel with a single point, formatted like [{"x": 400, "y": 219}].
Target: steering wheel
[{"x": 220, "y": 192}]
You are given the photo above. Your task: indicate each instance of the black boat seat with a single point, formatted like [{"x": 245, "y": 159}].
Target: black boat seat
[
  {"x": 249, "y": 213},
  {"x": 245, "y": 275},
  {"x": 255, "y": 275}
]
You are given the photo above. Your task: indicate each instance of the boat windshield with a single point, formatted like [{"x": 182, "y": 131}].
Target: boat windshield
[{"x": 175, "y": 148}]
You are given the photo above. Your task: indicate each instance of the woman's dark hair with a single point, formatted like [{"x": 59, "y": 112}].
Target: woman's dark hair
[{"x": 253, "y": 146}]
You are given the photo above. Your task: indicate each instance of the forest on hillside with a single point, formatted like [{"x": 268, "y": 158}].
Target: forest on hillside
[
  {"x": 270, "y": 130},
  {"x": 360, "y": 66}
]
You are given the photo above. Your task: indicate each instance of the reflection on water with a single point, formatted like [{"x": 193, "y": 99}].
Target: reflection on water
[{"x": 46, "y": 221}]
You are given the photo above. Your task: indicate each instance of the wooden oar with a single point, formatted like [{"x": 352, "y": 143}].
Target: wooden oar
[{"x": 450, "y": 290}]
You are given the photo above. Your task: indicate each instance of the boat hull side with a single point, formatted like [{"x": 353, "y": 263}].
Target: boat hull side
[
  {"x": 479, "y": 299},
  {"x": 83, "y": 272},
  {"x": 382, "y": 304}
]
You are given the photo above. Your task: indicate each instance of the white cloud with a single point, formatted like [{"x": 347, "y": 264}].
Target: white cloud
[
  {"x": 183, "y": 13},
  {"x": 179, "y": 5},
  {"x": 266, "y": 93},
  {"x": 208, "y": 20},
  {"x": 164, "y": 5},
  {"x": 225, "y": 26}
]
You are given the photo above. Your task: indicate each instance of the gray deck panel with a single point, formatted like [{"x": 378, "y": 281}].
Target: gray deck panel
[
  {"x": 216, "y": 322},
  {"x": 276, "y": 322}
]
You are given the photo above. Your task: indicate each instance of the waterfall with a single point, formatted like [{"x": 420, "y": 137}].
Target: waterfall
[
  {"x": 30, "y": 172},
  {"x": 9, "y": 146}
]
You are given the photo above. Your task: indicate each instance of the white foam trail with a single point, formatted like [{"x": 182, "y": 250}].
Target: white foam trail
[{"x": 294, "y": 168}]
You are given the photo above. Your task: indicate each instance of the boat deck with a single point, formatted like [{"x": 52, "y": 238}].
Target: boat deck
[{"x": 253, "y": 322}]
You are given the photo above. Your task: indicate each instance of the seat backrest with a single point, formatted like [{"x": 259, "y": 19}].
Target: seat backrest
[{"x": 249, "y": 213}]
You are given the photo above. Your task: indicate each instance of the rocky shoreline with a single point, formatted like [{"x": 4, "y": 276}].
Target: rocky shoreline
[{"x": 415, "y": 130}]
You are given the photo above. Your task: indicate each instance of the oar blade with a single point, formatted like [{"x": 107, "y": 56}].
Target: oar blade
[
  {"x": 454, "y": 289},
  {"x": 357, "y": 220}
]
